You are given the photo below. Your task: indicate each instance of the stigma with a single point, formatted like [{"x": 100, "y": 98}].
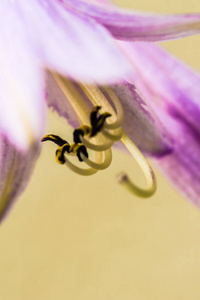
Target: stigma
[{"x": 100, "y": 127}]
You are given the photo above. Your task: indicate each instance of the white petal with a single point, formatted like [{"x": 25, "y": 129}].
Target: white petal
[
  {"x": 21, "y": 82},
  {"x": 72, "y": 43}
]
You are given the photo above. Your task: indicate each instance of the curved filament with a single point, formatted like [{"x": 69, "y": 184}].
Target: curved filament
[
  {"x": 119, "y": 109},
  {"x": 107, "y": 144},
  {"x": 114, "y": 137},
  {"x": 99, "y": 166},
  {"x": 147, "y": 170},
  {"x": 83, "y": 171},
  {"x": 80, "y": 171}
]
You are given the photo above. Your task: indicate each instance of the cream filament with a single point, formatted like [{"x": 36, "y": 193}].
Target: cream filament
[
  {"x": 101, "y": 147},
  {"x": 147, "y": 170},
  {"x": 100, "y": 166}
]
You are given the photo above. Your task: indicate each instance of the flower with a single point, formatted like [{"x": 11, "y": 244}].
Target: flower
[{"x": 84, "y": 41}]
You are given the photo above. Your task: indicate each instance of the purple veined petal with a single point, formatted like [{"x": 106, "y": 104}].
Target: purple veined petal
[
  {"x": 71, "y": 43},
  {"x": 140, "y": 122},
  {"x": 175, "y": 85},
  {"x": 21, "y": 82},
  {"x": 136, "y": 26},
  {"x": 173, "y": 90},
  {"x": 183, "y": 167},
  {"x": 15, "y": 170}
]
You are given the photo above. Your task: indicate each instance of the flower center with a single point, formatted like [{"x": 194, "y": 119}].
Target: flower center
[{"x": 99, "y": 129}]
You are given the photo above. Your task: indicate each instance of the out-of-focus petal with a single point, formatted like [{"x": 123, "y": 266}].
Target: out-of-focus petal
[
  {"x": 21, "y": 82},
  {"x": 15, "y": 170},
  {"x": 135, "y": 26},
  {"x": 173, "y": 89},
  {"x": 140, "y": 122},
  {"x": 70, "y": 43}
]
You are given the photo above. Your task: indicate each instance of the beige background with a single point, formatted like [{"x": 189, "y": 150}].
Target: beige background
[{"x": 85, "y": 238}]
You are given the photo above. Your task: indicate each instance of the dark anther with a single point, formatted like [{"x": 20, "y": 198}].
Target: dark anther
[
  {"x": 54, "y": 138},
  {"x": 60, "y": 157},
  {"x": 81, "y": 131},
  {"x": 81, "y": 149},
  {"x": 77, "y": 133},
  {"x": 97, "y": 122},
  {"x": 77, "y": 149},
  {"x": 93, "y": 114}
]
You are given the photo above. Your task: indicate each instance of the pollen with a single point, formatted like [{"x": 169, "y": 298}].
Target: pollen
[{"x": 100, "y": 127}]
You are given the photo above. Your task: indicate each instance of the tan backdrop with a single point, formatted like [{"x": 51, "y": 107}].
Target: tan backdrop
[{"x": 85, "y": 238}]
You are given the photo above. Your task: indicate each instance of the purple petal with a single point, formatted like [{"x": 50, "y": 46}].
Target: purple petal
[
  {"x": 21, "y": 83},
  {"x": 135, "y": 26},
  {"x": 173, "y": 89},
  {"x": 140, "y": 123},
  {"x": 15, "y": 170},
  {"x": 71, "y": 43}
]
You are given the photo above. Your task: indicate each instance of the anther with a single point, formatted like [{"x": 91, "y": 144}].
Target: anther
[
  {"x": 80, "y": 132},
  {"x": 64, "y": 147},
  {"x": 54, "y": 138},
  {"x": 60, "y": 157},
  {"x": 97, "y": 123}
]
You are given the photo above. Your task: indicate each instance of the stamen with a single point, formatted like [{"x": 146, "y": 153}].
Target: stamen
[
  {"x": 80, "y": 132},
  {"x": 148, "y": 172},
  {"x": 99, "y": 166},
  {"x": 60, "y": 158},
  {"x": 98, "y": 132},
  {"x": 54, "y": 138},
  {"x": 105, "y": 145},
  {"x": 97, "y": 123},
  {"x": 114, "y": 137},
  {"x": 95, "y": 95},
  {"x": 83, "y": 172},
  {"x": 119, "y": 109}
]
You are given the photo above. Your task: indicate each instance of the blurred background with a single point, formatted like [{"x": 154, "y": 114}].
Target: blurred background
[{"x": 70, "y": 237}]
